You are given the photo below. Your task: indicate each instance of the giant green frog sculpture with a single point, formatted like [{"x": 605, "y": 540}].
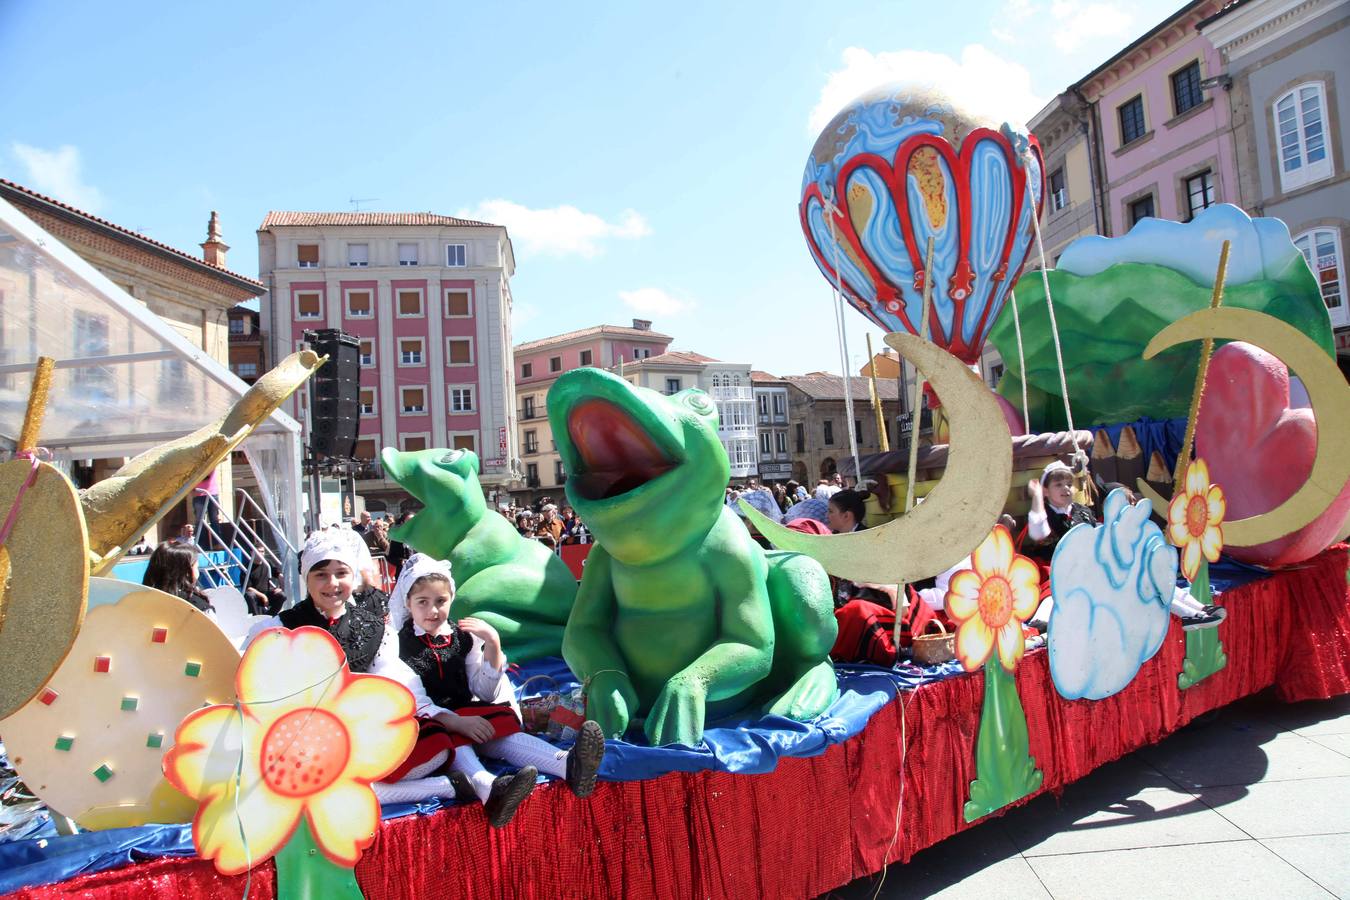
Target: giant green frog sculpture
[{"x": 680, "y": 616}]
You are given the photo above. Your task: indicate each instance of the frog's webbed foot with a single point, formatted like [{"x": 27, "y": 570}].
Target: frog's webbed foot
[
  {"x": 809, "y": 696},
  {"x": 677, "y": 715}
]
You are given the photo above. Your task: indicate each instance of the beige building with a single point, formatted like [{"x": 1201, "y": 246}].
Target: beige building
[
  {"x": 194, "y": 295},
  {"x": 818, "y": 419}
]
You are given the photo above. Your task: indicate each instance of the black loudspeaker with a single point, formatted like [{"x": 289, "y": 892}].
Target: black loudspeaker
[{"x": 336, "y": 393}]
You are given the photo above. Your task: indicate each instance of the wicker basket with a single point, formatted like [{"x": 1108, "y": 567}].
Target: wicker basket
[{"x": 932, "y": 649}]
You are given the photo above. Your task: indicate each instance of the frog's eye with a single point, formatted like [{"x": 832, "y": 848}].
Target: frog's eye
[
  {"x": 699, "y": 403},
  {"x": 451, "y": 457}
]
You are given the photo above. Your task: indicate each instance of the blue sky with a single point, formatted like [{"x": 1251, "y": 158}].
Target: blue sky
[{"x": 646, "y": 159}]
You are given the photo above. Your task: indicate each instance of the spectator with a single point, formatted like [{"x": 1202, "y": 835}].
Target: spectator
[
  {"x": 262, "y": 594},
  {"x": 377, "y": 538},
  {"x": 362, "y": 526},
  {"x": 398, "y": 551},
  {"x": 550, "y": 524},
  {"x": 186, "y": 535},
  {"x": 173, "y": 570},
  {"x": 825, "y": 489}
]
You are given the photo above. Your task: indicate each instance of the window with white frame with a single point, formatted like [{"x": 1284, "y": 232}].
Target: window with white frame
[
  {"x": 462, "y": 398},
  {"x": 458, "y": 305},
  {"x": 409, "y": 303},
  {"x": 411, "y": 352},
  {"x": 459, "y": 351},
  {"x": 779, "y": 405},
  {"x": 1199, "y": 193},
  {"x": 413, "y": 400},
  {"x": 236, "y": 326},
  {"x": 359, "y": 305},
  {"x": 368, "y": 403},
  {"x": 358, "y": 255},
  {"x": 308, "y": 305},
  {"x": 762, "y": 401},
  {"x": 455, "y": 255},
  {"x": 307, "y": 256},
  {"x": 367, "y": 353},
  {"x": 1321, "y": 247},
  {"x": 1059, "y": 194},
  {"x": 780, "y": 442},
  {"x": 407, "y": 254},
  {"x": 764, "y": 449},
  {"x": 245, "y": 369},
  {"x": 1300, "y": 123},
  {"x": 464, "y": 440}
]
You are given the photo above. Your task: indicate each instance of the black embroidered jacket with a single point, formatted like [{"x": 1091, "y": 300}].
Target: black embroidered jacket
[
  {"x": 439, "y": 660},
  {"x": 359, "y": 630}
]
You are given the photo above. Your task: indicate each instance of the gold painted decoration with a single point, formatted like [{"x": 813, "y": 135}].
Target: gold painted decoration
[
  {"x": 43, "y": 579},
  {"x": 959, "y": 512},
  {"x": 1328, "y": 397},
  {"x": 90, "y": 744}
]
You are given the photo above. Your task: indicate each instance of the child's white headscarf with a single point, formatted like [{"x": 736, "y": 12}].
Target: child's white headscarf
[
  {"x": 416, "y": 566},
  {"x": 323, "y": 546}
]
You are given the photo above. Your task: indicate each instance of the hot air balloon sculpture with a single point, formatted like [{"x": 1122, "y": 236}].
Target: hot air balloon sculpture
[{"x": 887, "y": 174}]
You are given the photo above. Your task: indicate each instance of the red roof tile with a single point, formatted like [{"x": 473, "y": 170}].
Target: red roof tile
[
  {"x": 608, "y": 330},
  {"x": 277, "y": 219}
]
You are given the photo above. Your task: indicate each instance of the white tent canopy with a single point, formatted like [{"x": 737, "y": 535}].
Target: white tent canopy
[{"x": 125, "y": 381}]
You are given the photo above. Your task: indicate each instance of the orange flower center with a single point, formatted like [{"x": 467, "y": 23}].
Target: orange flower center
[
  {"x": 304, "y": 752},
  {"x": 1197, "y": 515},
  {"x": 996, "y": 601}
]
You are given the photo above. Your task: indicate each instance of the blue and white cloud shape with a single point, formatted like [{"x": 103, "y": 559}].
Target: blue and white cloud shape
[{"x": 1113, "y": 586}]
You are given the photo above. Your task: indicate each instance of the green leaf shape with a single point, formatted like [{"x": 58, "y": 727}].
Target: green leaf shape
[
  {"x": 1005, "y": 771},
  {"x": 1204, "y": 650},
  {"x": 304, "y": 873}
]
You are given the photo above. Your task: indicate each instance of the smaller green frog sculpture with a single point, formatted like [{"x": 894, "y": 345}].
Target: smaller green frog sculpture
[{"x": 680, "y": 616}]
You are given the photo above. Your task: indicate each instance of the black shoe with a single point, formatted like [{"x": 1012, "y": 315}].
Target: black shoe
[
  {"x": 1217, "y": 611},
  {"x": 463, "y": 787},
  {"x": 508, "y": 792},
  {"x": 583, "y": 762},
  {"x": 1040, "y": 625},
  {"x": 1205, "y": 619}
]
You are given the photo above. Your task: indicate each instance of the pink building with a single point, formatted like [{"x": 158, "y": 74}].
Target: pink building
[
  {"x": 429, "y": 298},
  {"x": 539, "y": 363},
  {"x": 1160, "y": 126}
]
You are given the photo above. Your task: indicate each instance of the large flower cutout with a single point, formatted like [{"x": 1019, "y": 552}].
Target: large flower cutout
[
  {"x": 307, "y": 738},
  {"x": 1195, "y": 519},
  {"x": 990, "y": 602}
]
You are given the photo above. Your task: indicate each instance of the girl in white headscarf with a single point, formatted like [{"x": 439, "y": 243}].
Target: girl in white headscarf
[{"x": 463, "y": 668}]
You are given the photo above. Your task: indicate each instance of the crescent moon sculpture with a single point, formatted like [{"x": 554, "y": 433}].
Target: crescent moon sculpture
[
  {"x": 959, "y": 512},
  {"x": 1327, "y": 395}
]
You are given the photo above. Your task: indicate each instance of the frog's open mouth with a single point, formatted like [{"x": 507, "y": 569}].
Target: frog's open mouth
[{"x": 614, "y": 454}]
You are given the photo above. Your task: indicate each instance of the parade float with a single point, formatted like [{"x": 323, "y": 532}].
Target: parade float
[{"x": 741, "y": 761}]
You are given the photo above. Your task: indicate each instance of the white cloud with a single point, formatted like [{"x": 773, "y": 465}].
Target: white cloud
[
  {"x": 523, "y": 314},
  {"x": 1074, "y": 23},
  {"x": 1001, "y": 35},
  {"x": 57, "y": 172},
  {"x": 559, "y": 230},
  {"x": 981, "y": 82},
  {"x": 1019, "y": 9},
  {"x": 655, "y": 302}
]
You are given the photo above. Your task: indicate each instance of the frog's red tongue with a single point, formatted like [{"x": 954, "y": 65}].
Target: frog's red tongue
[{"x": 616, "y": 455}]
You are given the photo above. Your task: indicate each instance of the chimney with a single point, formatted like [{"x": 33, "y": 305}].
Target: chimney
[
  {"x": 642, "y": 324},
  {"x": 213, "y": 250}
]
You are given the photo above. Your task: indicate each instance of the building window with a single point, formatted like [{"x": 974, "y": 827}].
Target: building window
[
  {"x": 459, "y": 351},
  {"x": 762, "y": 405},
  {"x": 526, "y": 370},
  {"x": 413, "y": 442},
  {"x": 586, "y": 357},
  {"x": 308, "y": 306},
  {"x": 1131, "y": 120},
  {"x": 800, "y": 436},
  {"x": 1300, "y": 118},
  {"x": 555, "y": 363},
  {"x": 236, "y": 326},
  {"x": 368, "y": 402},
  {"x": 359, "y": 305},
  {"x": 1199, "y": 193},
  {"x": 829, "y": 432},
  {"x": 245, "y": 369},
  {"x": 407, "y": 254},
  {"x": 1186, "y": 93},
  {"x": 995, "y": 373},
  {"x": 368, "y": 353},
  {"x": 780, "y": 442},
  {"x": 527, "y": 410},
  {"x": 779, "y": 404},
  {"x": 410, "y": 351},
  {"x": 672, "y": 385},
  {"x": 641, "y": 353},
  {"x": 358, "y": 255},
  {"x": 457, "y": 305},
  {"x": 409, "y": 304},
  {"x": 413, "y": 400},
  {"x": 764, "y": 450},
  {"x": 365, "y": 449},
  {"x": 1141, "y": 209},
  {"x": 1059, "y": 195},
  {"x": 462, "y": 399},
  {"x": 455, "y": 255},
  {"x": 307, "y": 256},
  {"x": 559, "y": 476},
  {"x": 857, "y": 430},
  {"x": 532, "y": 475},
  {"x": 464, "y": 442},
  {"x": 1322, "y": 249},
  {"x": 531, "y": 441}
]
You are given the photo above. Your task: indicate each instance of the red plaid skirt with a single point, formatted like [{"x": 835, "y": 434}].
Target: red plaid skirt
[{"x": 432, "y": 737}]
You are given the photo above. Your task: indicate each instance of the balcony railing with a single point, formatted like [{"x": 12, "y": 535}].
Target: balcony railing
[
  {"x": 733, "y": 393},
  {"x": 531, "y": 449}
]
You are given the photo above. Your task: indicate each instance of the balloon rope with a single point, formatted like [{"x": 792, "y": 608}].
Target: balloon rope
[
  {"x": 1021, "y": 362},
  {"x": 915, "y": 411},
  {"x": 1050, "y": 308},
  {"x": 1206, "y": 349},
  {"x": 843, "y": 345}
]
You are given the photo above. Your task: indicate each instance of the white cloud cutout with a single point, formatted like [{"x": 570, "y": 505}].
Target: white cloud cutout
[
  {"x": 57, "y": 173},
  {"x": 982, "y": 82},
  {"x": 559, "y": 230},
  {"x": 655, "y": 302},
  {"x": 1074, "y": 23}
]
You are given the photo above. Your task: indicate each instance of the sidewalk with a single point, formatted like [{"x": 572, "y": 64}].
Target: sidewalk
[{"x": 1251, "y": 801}]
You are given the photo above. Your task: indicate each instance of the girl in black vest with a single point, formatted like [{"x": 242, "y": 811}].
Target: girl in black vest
[{"x": 463, "y": 668}]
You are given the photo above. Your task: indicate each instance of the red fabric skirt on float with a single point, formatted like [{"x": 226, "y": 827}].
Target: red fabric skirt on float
[
  {"x": 432, "y": 737},
  {"x": 814, "y": 824}
]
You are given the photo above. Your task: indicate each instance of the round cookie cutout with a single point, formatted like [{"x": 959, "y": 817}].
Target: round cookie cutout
[
  {"x": 44, "y": 579},
  {"x": 90, "y": 745}
]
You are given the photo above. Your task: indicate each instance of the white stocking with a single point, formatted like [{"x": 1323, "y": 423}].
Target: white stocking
[
  {"x": 1042, "y": 613},
  {"x": 1184, "y": 604},
  {"x": 413, "y": 790},
  {"x": 466, "y": 761},
  {"x": 521, "y": 749},
  {"x": 428, "y": 767}
]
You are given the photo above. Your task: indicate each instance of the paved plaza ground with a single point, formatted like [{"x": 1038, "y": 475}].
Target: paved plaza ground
[{"x": 1252, "y": 800}]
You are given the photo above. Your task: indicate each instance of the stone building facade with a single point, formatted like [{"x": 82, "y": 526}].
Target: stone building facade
[{"x": 818, "y": 417}]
